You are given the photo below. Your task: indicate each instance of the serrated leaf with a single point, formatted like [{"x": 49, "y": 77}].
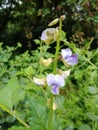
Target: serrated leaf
[
  {"x": 38, "y": 112},
  {"x": 29, "y": 71}
]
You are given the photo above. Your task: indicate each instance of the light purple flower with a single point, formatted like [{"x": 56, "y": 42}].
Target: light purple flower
[
  {"x": 55, "y": 81},
  {"x": 70, "y": 58}
]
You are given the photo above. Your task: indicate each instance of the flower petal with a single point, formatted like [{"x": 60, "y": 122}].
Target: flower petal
[
  {"x": 57, "y": 80},
  {"x": 72, "y": 60},
  {"x": 55, "y": 89},
  {"x": 65, "y": 74},
  {"x": 66, "y": 53},
  {"x": 44, "y": 36},
  {"x": 50, "y": 79}
]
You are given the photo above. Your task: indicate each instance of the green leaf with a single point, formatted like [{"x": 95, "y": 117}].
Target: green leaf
[
  {"x": 84, "y": 127},
  {"x": 92, "y": 90},
  {"x": 88, "y": 44},
  {"x": 19, "y": 44},
  {"x": 29, "y": 71},
  {"x": 37, "y": 41},
  {"x": 18, "y": 128},
  {"x": 95, "y": 18},
  {"x": 62, "y": 35},
  {"x": 11, "y": 93},
  {"x": 69, "y": 128},
  {"x": 38, "y": 112},
  {"x": 78, "y": 74},
  {"x": 2, "y": 70},
  {"x": 91, "y": 116}
]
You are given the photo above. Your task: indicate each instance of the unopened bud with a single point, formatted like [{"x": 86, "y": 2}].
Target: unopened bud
[
  {"x": 55, "y": 21},
  {"x": 46, "y": 62},
  {"x": 39, "y": 82},
  {"x": 62, "y": 17},
  {"x": 65, "y": 74}
]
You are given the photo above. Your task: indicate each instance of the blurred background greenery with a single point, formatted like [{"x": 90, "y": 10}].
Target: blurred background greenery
[{"x": 24, "y": 20}]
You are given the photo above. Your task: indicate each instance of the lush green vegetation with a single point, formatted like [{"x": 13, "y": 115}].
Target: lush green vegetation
[
  {"x": 27, "y": 103},
  {"x": 53, "y": 83}
]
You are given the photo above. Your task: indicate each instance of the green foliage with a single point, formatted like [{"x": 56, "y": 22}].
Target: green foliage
[
  {"x": 38, "y": 112},
  {"x": 25, "y": 104},
  {"x": 18, "y": 128},
  {"x": 85, "y": 127},
  {"x": 12, "y": 97}
]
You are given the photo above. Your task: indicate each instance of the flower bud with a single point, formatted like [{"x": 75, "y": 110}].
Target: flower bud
[
  {"x": 39, "y": 82},
  {"x": 65, "y": 74},
  {"x": 46, "y": 62},
  {"x": 55, "y": 21},
  {"x": 62, "y": 17}
]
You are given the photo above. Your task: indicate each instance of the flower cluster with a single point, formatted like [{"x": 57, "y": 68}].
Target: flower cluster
[{"x": 56, "y": 81}]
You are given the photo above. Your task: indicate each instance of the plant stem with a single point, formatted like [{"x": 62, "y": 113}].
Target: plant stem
[
  {"x": 51, "y": 113},
  {"x": 57, "y": 48},
  {"x": 22, "y": 122},
  {"x": 54, "y": 71},
  {"x": 3, "y": 107},
  {"x": 91, "y": 63}
]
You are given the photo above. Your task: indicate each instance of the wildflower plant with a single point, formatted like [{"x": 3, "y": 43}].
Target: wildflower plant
[
  {"x": 57, "y": 78},
  {"x": 44, "y": 74}
]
